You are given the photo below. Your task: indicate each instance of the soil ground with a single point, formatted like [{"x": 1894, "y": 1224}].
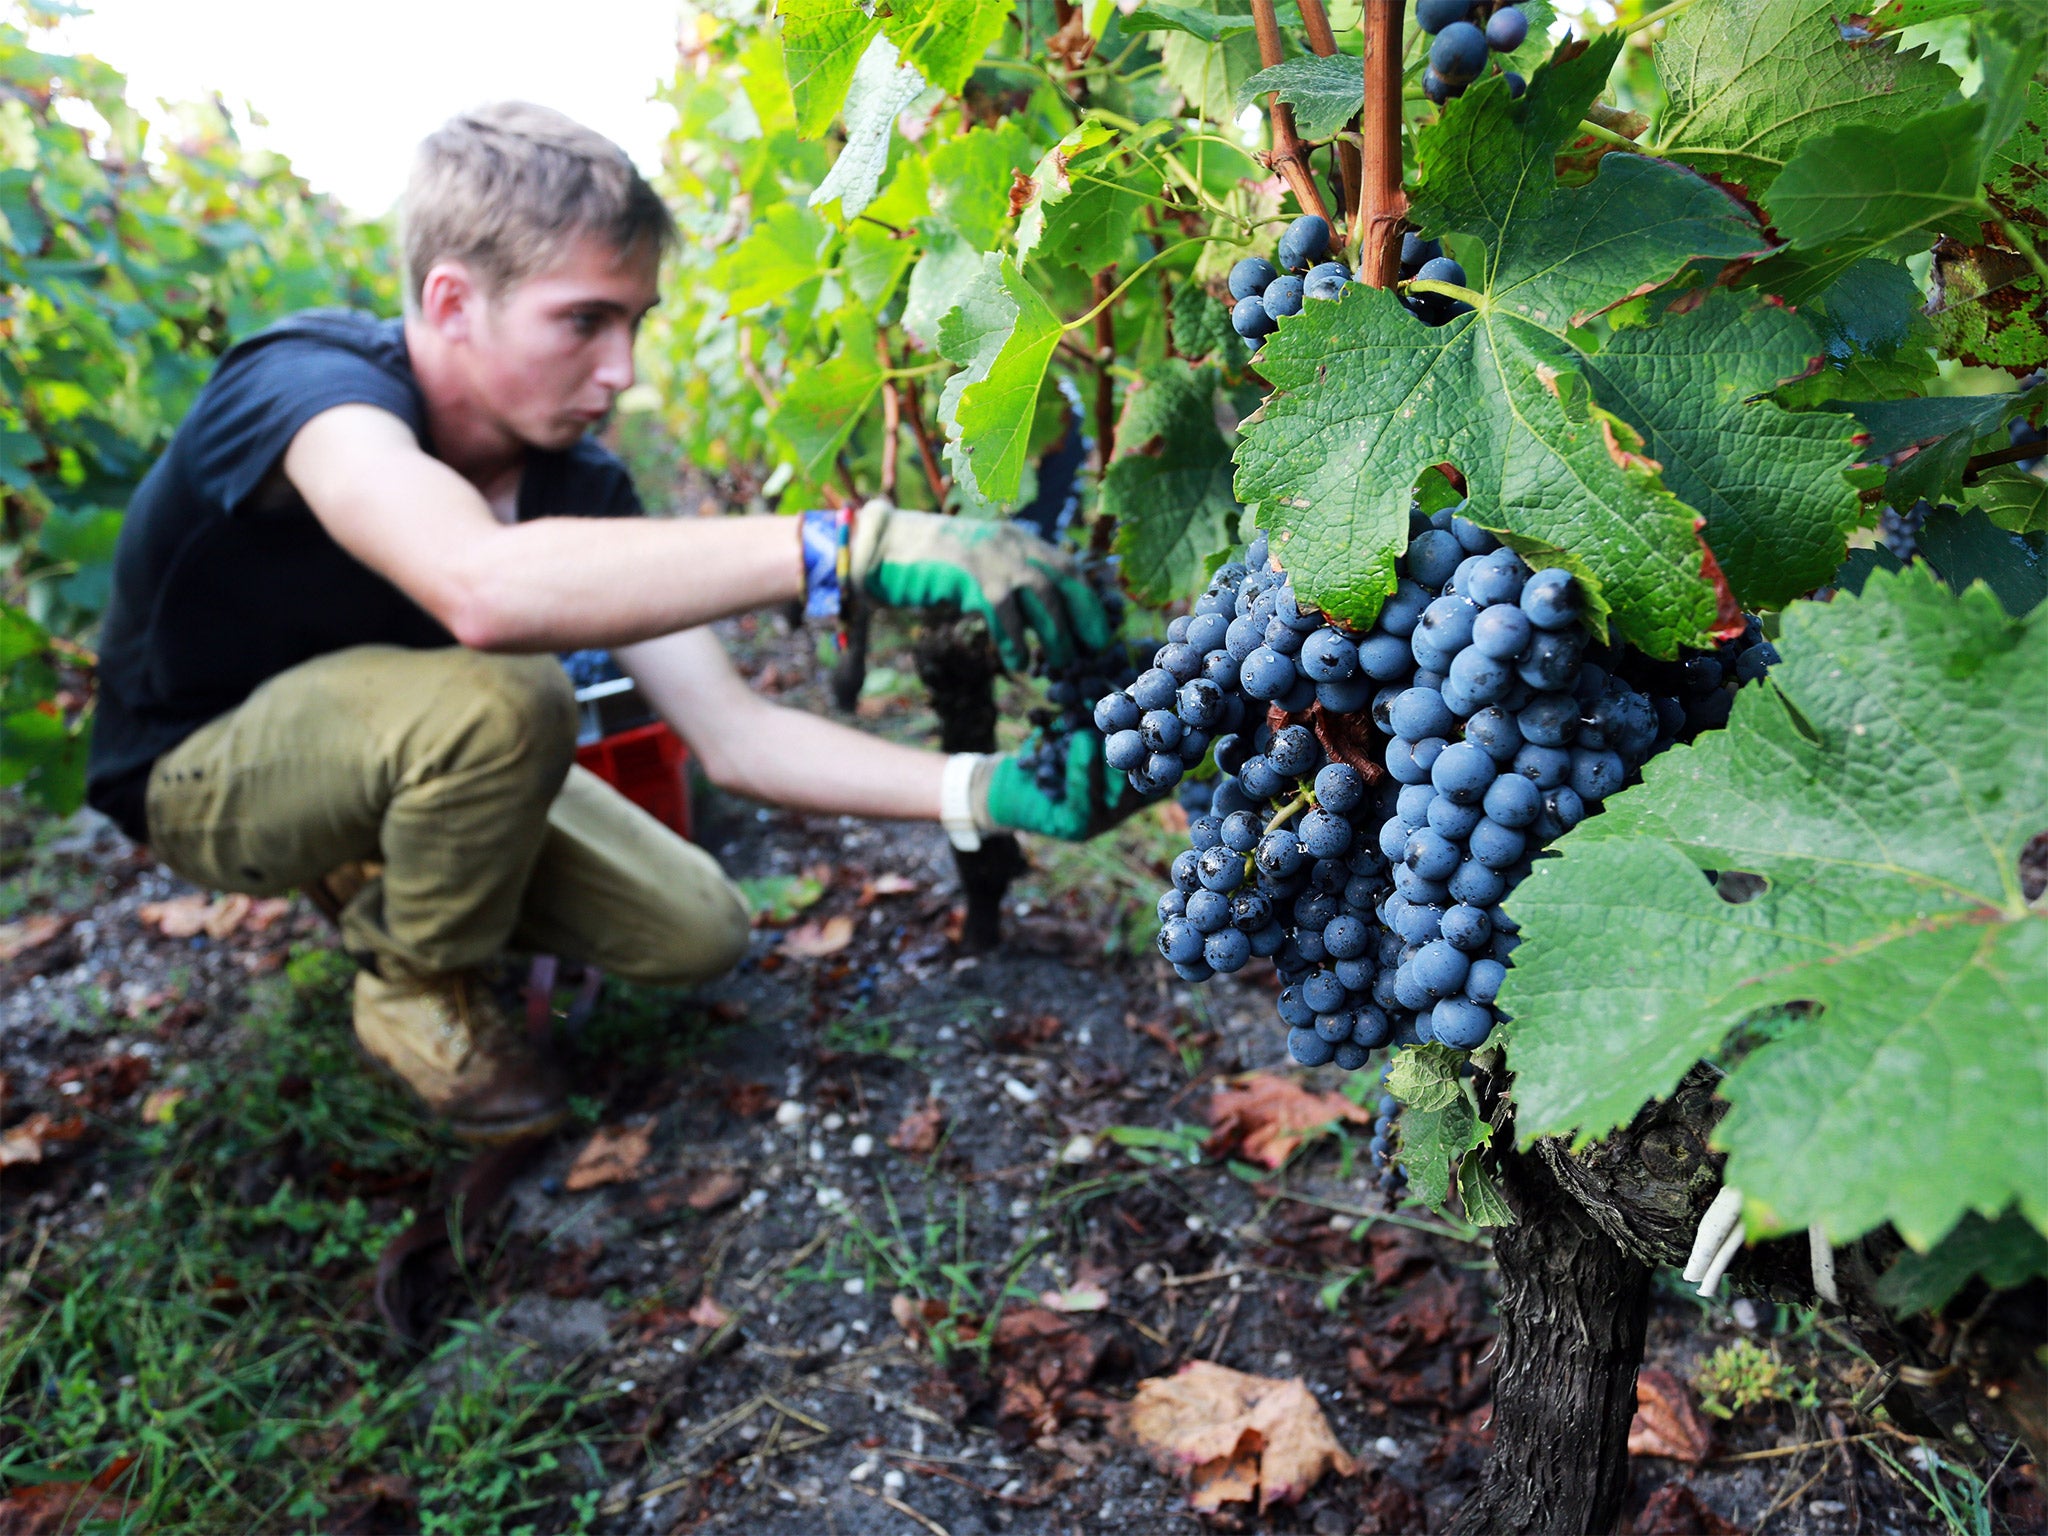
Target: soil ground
[{"x": 892, "y": 1233}]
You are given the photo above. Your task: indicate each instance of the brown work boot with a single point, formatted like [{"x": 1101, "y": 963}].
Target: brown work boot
[{"x": 448, "y": 1040}]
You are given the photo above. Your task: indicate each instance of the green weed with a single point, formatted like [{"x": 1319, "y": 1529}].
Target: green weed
[{"x": 1744, "y": 1375}]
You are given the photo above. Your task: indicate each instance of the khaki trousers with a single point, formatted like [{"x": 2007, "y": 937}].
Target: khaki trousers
[{"x": 455, "y": 770}]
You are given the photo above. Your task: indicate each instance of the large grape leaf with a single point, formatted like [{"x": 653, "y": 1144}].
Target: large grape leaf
[
  {"x": 882, "y": 87},
  {"x": 1748, "y": 81},
  {"x": 970, "y": 180},
  {"x": 780, "y": 255},
  {"x": 1943, "y": 431},
  {"x": 1368, "y": 398},
  {"x": 1768, "y": 481},
  {"x": 1883, "y": 783},
  {"x": 825, "y": 402},
  {"x": 1082, "y": 206},
  {"x": 822, "y": 45},
  {"x": 1169, "y": 489},
  {"x": 1325, "y": 93},
  {"x": 2013, "y": 499},
  {"x": 1002, "y": 333},
  {"x": 944, "y": 39},
  {"x": 1208, "y": 53}
]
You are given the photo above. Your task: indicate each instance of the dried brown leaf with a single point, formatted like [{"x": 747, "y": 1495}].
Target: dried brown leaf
[
  {"x": 613, "y": 1155},
  {"x": 1666, "y": 1423},
  {"x": 714, "y": 1188},
  {"x": 26, "y": 1142},
  {"x": 818, "y": 938},
  {"x": 921, "y": 1128},
  {"x": 1267, "y": 1116},
  {"x": 18, "y": 938},
  {"x": 1205, "y": 1418},
  {"x": 707, "y": 1313}
]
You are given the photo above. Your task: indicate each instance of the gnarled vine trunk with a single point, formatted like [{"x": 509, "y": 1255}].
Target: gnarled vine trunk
[{"x": 958, "y": 665}]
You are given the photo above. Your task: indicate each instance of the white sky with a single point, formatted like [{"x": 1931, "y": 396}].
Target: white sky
[{"x": 350, "y": 89}]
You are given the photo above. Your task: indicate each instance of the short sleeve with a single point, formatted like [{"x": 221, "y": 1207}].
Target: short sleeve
[
  {"x": 255, "y": 405},
  {"x": 587, "y": 480}
]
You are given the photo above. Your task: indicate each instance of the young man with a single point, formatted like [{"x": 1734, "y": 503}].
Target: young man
[{"x": 338, "y": 596}]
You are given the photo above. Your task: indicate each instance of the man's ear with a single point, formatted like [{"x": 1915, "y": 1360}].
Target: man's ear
[{"x": 449, "y": 299}]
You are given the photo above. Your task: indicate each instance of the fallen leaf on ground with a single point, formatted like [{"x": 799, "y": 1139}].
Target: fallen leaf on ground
[
  {"x": 58, "y": 1509},
  {"x": 26, "y": 1142},
  {"x": 614, "y": 1154},
  {"x": 747, "y": 1099},
  {"x": 1040, "y": 1359},
  {"x": 913, "y": 1316},
  {"x": 182, "y": 917},
  {"x": 814, "y": 940},
  {"x": 707, "y": 1313},
  {"x": 1268, "y": 1116},
  {"x": 921, "y": 1128},
  {"x": 1083, "y": 1296},
  {"x": 103, "y": 1083},
  {"x": 1210, "y": 1422},
  {"x": 887, "y": 885},
  {"x": 713, "y": 1188},
  {"x": 777, "y": 899},
  {"x": 160, "y": 1104},
  {"x": 1666, "y": 1423},
  {"x": 1675, "y": 1510},
  {"x": 18, "y": 938},
  {"x": 221, "y": 917}
]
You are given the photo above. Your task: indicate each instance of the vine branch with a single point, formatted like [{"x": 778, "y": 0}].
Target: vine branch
[
  {"x": 1382, "y": 205},
  {"x": 1288, "y": 158}
]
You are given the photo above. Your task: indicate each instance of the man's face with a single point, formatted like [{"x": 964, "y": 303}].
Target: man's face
[{"x": 548, "y": 356}]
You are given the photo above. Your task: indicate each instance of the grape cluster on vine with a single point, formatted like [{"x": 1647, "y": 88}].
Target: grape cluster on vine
[
  {"x": 1382, "y": 791},
  {"x": 1464, "y": 32},
  {"x": 1266, "y": 294},
  {"x": 1073, "y": 686}
]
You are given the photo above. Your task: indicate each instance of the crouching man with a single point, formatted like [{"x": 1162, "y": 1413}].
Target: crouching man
[{"x": 339, "y": 594}]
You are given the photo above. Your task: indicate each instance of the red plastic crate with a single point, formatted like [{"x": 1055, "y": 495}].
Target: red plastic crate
[{"x": 649, "y": 765}]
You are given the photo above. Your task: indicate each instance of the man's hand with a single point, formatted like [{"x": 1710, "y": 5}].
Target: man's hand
[
  {"x": 1017, "y": 582},
  {"x": 1095, "y": 797}
]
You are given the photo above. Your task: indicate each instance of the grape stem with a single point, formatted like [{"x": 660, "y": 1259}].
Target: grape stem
[
  {"x": 1651, "y": 18},
  {"x": 1137, "y": 272},
  {"x": 1287, "y": 812},
  {"x": 1470, "y": 296},
  {"x": 1607, "y": 136}
]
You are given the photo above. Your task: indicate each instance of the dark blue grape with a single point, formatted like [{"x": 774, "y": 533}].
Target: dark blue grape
[
  {"x": 1205, "y": 831},
  {"x": 1294, "y": 751},
  {"x": 1458, "y": 55},
  {"x": 1186, "y": 870},
  {"x": 1754, "y": 662},
  {"x": 1154, "y": 689},
  {"x": 1174, "y": 903},
  {"x": 1226, "y": 950},
  {"x": 1451, "y": 819},
  {"x": 1502, "y": 631},
  {"x": 1513, "y": 801},
  {"x": 1208, "y": 911},
  {"x": 1328, "y": 657},
  {"x": 1385, "y": 658},
  {"x": 1179, "y": 941},
  {"x": 1326, "y": 281},
  {"x": 1283, "y": 297},
  {"x": 1309, "y": 1048},
  {"x": 1412, "y": 805},
  {"x": 1440, "y": 967},
  {"x": 1477, "y": 885},
  {"x": 1199, "y": 704},
  {"x": 1350, "y": 1055},
  {"x": 1414, "y": 249},
  {"x": 1245, "y": 635},
  {"x": 1494, "y": 731},
  {"x": 1551, "y": 598},
  {"x": 1251, "y": 911},
  {"x": 1596, "y": 775},
  {"x": 1251, "y": 320},
  {"x": 1435, "y": 15},
  {"x": 1339, "y": 788},
  {"x": 1267, "y": 674},
  {"x": 1418, "y": 922},
  {"x": 1516, "y": 84},
  {"x": 1241, "y": 831},
  {"x": 1206, "y": 631},
  {"x": 1248, "y": 279},
  {"x": 1322, "y": 991},
  {"x": 1467, "y": 928},
  {"x": 1461, "y": 1024},
  {"x": 1304, "y": 242},
  {"x": 1442, "y": 269},
  {"x": 1496, "y": 846},
  {"x": 1125, "y": 751},
  {"x": 1431, "y": 855},
  {"x": 1478, "y": 677},
  {"x": 1294, "y": 1013},
  {"x": 1222, "y": 869},
  {"x": 1116, "y": 712},
  {"x": 1325, "y": 834},
  {"x": 1545, "y": 767},
  {"x": 1447, "y": 623},
  {"x": 1347, "y": 697},
  {"x": 1483, "y": 981},
  {"x": 1551, "y": 661},
  {"x": 1463, "y": 772},
  {"x": 1160, "y": 730},
  {"x": 1433, "y": 557},
  {"x": 1506, "y": 29},
  {"x": 1261, "y": 780},
  {"x": 1420, "y": 713},
  {"x": 1268, "y": 940},
  {"x": 1438, "y": 90},
  {"x": 1335, "y": 1027},
  {"x": 1550, "y": 720},
  {"x": 1280, "y": 853}
]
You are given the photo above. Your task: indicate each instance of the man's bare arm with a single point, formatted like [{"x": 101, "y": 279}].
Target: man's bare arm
[
  {"x": 557, "y": 583},
  {"x": 773, "y": 753}
]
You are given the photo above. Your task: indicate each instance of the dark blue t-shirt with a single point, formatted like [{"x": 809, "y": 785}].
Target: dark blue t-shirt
[{"x": 223, "y": 577}]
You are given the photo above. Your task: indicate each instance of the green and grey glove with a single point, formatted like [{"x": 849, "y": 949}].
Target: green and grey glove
[
  {"x": 1018, "y": 583},
  {"x": 980, "y": 795}
]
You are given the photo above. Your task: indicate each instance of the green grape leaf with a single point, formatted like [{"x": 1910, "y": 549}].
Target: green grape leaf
[
  {"x": 1882, "y": 782},
  {"x": 782, "y": 253},
  {"x": 1082, "y": 206},
  {"x": 45, "y": 757},
  {"x": 1201, "y": 328},
  {"x": 822, "y": 406},
  {"x": 1208, "y": 26},
  {"x": 1964, "y": 547},
  {"x": 1856, "y": 190},
  {"x": 1749, "y": 81},
  {"x": 941, "y": 279},
  {"x": 882, "y": 87},
  {"x": 1002, "y": 333},
  {"x": 1767, "y": 480},
  {"x": 1944, "y": 430},
  {"x": 1485, "y": 1204},
  {"x": 822, "y": 44},
  {"x": 2012, "y": 498},
  {"x": 1367, "y": 397},
  {"x": 874, "y": 261},
  {"x": 1326, "y": 93},
  {"x": 1169, "y": 488},
  {"x": 2006, "y": 1253},
  {"x": 970, "y": 181},
  {"x": 1988, "y": 307},
  {"x": 945, "y": 39},
  {"x": 1434, "y": 1140},
  {"x": 1426, "y": 1077}
]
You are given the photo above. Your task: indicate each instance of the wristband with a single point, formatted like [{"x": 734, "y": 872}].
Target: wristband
[
  {"x": 956, "y": 800},
  {"x": 824, "y": 547}
]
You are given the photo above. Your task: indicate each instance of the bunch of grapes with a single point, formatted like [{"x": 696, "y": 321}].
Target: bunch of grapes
[
  {"x": 1382, "y": 792},
  {"x": 1264, "y": 294},
  {"x": 1464, "y": 33},
  {"x": 588, "y": 667}
]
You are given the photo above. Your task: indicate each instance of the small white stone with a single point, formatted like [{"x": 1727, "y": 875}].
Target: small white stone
[
  {"x": 1078, "y": 1149},
  {"x": 834, "y": 1121},
  {"x": 1195, "y": 1223},
  {"x": 1388, "y": 1447},
  {"x": 1281, "y": 1358},
  {"x": 893, "y": 1480},
  {"x": 627, "y": 1386},
  {"x": 756, "y": 1198},
  {"x": 1012, "y": 1488},
  {"x": 862, "y": 1145},
  {"x": 1747, "y": 1316},
  {"x": 945, "y": 1032},
  {"x": 817, "y": 1151},
  {"x": 789, "y": 1113},
  {"x": 679, "y": 1346},
  {"x": 1021, "y": 1207},
  {"x": 864, "y": 1471},
  {"x": 855, "y": 1287},
  {"x": 1022, "y": 1092}
]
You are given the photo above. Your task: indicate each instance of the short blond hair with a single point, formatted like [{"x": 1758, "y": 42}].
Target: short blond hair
[{"x": 506, "y": 188}]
